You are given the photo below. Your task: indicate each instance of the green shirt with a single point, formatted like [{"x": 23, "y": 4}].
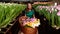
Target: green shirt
[{"x": 29, "y": 13}]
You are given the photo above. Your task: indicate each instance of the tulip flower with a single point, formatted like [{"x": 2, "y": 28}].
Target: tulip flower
[
  {"x": 32, "y": 22},
  {"x": 58, "y": 7},
  {"x": 58, "y": 13}
]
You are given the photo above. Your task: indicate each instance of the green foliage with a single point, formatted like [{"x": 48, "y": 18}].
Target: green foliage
[
  {"x": 52, "y": 17},
  {"x": 9, "y": 11},
  {"x": 40, "y": 5}
]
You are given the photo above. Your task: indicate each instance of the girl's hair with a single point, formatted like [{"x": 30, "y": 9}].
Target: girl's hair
[{"x": 29, "y": 2}]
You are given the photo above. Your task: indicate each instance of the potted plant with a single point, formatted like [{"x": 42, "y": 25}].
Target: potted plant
[{"x": 29, "y": 25}]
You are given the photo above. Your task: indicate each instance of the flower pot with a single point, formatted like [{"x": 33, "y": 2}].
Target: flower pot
[{"x": 28, "y": 30}]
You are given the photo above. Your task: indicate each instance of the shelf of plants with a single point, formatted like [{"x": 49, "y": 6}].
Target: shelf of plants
[
  {"x": 52, "y": 14},
  {"x": 8, "y": 14}
]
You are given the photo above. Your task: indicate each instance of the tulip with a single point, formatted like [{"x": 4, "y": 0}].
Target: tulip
[
  {"x": 58, "y": 7},
  {"x": 58, "y": 13}
]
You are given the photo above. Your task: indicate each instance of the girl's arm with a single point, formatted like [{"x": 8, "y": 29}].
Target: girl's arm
[
  {"x": 25, "y": 15},
  {"x": 33, "y": 16}
]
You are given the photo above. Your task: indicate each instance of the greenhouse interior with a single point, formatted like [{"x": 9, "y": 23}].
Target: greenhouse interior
[{"x": 30, "y": 17}]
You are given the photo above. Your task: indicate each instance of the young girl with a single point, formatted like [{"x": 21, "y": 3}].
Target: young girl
[{"x": 29, "y": 12}]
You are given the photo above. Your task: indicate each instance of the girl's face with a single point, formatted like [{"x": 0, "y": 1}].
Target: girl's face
[{"x": 29, "y": 6}]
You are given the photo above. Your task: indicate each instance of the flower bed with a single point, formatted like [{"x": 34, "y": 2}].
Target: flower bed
[
  {"x": 52, "y": 14},
  {"x": 8, "y": 12}
]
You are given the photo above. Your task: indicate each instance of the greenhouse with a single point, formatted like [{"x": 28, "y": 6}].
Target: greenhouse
[{"x": 29, "y": 16}]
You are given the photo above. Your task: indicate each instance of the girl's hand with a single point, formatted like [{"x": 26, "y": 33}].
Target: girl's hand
[{"x": 33, "y": 16}]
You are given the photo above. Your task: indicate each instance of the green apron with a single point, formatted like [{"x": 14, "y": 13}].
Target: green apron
[{"x": 29, "y": 13}]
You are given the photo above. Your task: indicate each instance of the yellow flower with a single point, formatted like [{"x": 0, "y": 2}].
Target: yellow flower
[
  {"x": 33, "y": 24},
  {"x": 29, "y": 24}
]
